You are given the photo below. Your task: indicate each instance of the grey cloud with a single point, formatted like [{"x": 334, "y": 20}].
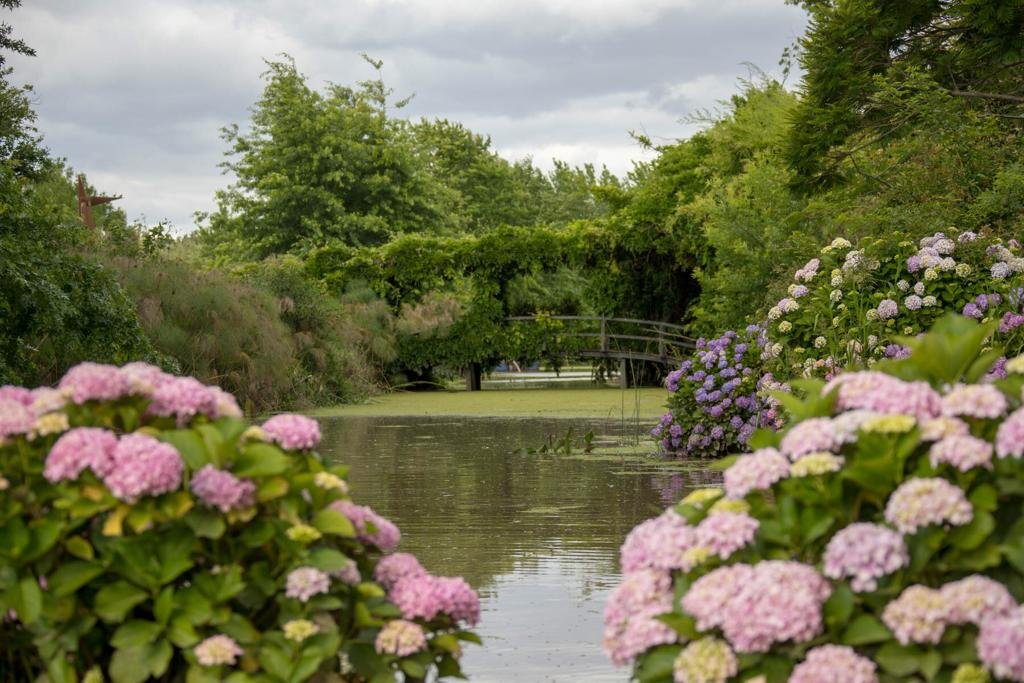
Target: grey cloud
[{"x": 134, "y": 92}]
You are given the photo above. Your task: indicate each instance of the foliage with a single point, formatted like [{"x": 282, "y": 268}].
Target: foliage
[
  {"x": 718, "y": 397},
  {"x": 885, "y": 519},
  {"x": 971, "y": 49},
  {"x": 236, "y": 554},
  {"x": 217, "y": 328},
  {"x": 850, "y": 306}
]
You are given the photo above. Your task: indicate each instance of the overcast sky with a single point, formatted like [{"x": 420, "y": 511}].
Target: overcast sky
[{"x": 134, "y": 92}]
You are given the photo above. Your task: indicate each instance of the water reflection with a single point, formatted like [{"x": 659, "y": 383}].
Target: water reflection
[{"x": 537, "y": 535}]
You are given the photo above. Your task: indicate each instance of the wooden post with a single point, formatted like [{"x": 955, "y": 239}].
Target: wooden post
[
  {"x": 661, "y": 341},
  {"x": 625, "y": 380},
  {"x": 604, "y": 336},
  {"x": 473, "y": 373}
]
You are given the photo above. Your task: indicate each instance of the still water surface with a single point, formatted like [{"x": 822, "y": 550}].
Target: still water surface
[{"x": 536, "y": 535}]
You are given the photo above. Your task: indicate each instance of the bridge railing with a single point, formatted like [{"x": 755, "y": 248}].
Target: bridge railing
[{"x": 650, "y": 340}]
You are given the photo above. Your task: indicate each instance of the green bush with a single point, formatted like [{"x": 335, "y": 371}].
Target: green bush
[
  {"x": 147, "y": 531},
  {"x": 877, "y": 538}
]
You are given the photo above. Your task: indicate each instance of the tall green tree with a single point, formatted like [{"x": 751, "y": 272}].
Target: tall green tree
[
  {"x": 315, "y": 168},
  {"x": 972, "y": 49}
]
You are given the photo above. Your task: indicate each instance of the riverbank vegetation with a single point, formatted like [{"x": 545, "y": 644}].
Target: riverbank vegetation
[{"x": 356, "y": 249}]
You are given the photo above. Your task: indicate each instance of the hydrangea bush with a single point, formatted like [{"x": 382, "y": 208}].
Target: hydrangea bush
[
  {"x": 878, "y": 538},
  {"x": 848, "y": 305},
  {"x": 148, "y": 531},
  {"x": 718, "y": 397}
]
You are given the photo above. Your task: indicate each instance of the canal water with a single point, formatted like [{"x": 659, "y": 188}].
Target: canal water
[{"x": 536, "y": 534}]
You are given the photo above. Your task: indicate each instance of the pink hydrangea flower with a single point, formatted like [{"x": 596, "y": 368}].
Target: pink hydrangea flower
[
  {"x": 809, "y": 436},
  {"x": 708, "y": 596},
  {"x": 183, "y": 398},
  {"x": 94, "y": 382},
  {"x": 225, "y": 404},
  {"x": 962, "y": 451},
  {"x": 400, "y": 638},
  {"x": 349, "y": 574},
  {"x": 940, "y": 427},
  {"x": 835, "y": 664},
  {"x": 658, "y": 543},
  {"x": 782, "y": 602},
  {"x": 15, "y": 418},
  {"x": 305, "y": 582},
  {"x": 143, "y": 378},
  {"x": 47, "y": 400},
  {"x": 1010, "y": 436},
  {"x": 846, "y": 426},
  {"x": 884, "y": 393},
  {"x": 370, "y": 527},
  {"x": 392, "y": 568},
  {"x": 1001, "y": 645},
  {"x": 974, "y": 400},
  {"x": 974, "y": 599},
  {"x": 219, "y": 650},
  {"x": 629, "y": 624},
  {"x": 920, "y": 502},
  {"x": 755, "y": 471},
  {"x": 293, "y": 432},
  {"x": 142, "y": 466},
  {"x": 723, "y": 533},
  {"x": 918, "y": 615},
  {"x": 19, "y": 394},
  {"x": 222, "y": 490},
  {"x": 425, "y": 596},
  {"x": 78, "y": 449},
  {"x": 865, "y": 553}
]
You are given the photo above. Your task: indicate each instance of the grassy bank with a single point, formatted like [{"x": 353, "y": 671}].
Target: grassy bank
[{"x": 645, "y": 404}]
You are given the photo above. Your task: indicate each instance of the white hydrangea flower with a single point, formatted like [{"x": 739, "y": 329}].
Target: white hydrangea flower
[
  {"x": 903, "y": 285},
  {"x": 919, "y": 288}
]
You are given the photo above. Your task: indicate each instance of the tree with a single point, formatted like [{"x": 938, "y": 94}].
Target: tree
[
  {"x": 973, "y": 49},
  {"x": 315, "y": 168}
]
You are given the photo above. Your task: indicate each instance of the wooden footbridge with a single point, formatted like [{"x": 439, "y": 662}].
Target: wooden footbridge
[{"x": 627, "y": 340}]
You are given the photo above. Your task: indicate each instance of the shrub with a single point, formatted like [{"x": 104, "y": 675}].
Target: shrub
[
  {"x": 146, "y": 530},
  {"x": 878, "y": 538},
  {"x": 718, "y": 397},
  {"x": 847, "y": 306}
]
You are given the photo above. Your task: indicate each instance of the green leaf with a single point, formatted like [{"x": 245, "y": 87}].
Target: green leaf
[
  {"x": 413, "y": 668},
  {"x": 163, "y": 605},
  {"x": 328, "y": 559},
  {"x": 135, "y": 633},
  {"x": 72, "y": 576},
  {"x": 974, "y": 534},
  {"x": 14, "y": 537},
  {"x": 114, "y": 601},
  {"x": 985, "y": 498},
  {"x": 839, "y": 605},
  {"x": 683, "y": 624},
  {"x": 80, "y": 548},
  {"x": 897, "y": 659},
  {"x": 182, "y": 633},
  {"x": 206, "y": 522},
  {"x": 29, "y": 602},
  {"x": 930, "y": 663},
  {"x": 44, "y": 535},
  {"x": 275, "y": 661},
  {"x": 136, "y": 664},
  {"x": 258, "y": 532},
  {"x": 261, "y": 460},
  {"x": 190, "y": 445},
  {"x": 865, "y": 629},
  {"x": 271, "y": 489},
  {"x": 656, "y": 664},
  {"x": 333, "y": 522}
]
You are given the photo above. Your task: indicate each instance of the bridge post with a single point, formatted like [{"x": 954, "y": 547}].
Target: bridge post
[
  {"x": 661, "y": 341},
  {"x": 604, "y": 336},
  {"x": 473, "y": 373},
  {"x": 625, "y": 373}
]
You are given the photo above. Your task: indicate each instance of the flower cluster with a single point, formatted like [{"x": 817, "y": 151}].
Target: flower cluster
[
  {"x": 426, "y": 596},
  {"x": 371, "y": 527},
  {"x": 886, "y": 287},
  {"x": 876, "y": 538},
  {"x": 129, "y": 493},
  {"x": 222, "y": 490},
  {"x": 716, "y": 399}
]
